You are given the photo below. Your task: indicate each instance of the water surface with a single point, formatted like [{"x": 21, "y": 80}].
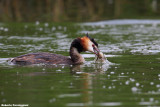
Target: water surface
[{"x": 133, "y": 78}]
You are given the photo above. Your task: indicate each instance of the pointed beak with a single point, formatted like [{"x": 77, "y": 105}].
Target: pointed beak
[{"x": 96, "y": 50}]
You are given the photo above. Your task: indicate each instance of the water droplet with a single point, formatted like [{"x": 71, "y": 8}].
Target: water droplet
[
  {"x": 53, "y": 28},
  {"x": 2, "y": 93},
  {"x": 131, "y": 79},
  {"x": 37, "y": 23},
  {"x": 6, "y": 29},
  {"x": 142, "y": 99},
  {"x": 120, "y": 83},
  {"x": 158, "y": 85},
  {"x": 137, "y": 84},
  {"x": 25, "y": 26},
  {"x": 52, "y": 88},
  {"x": 71, "y": 83},
  {"x": 1, "y": 28},
  {"x": 104, "y": 86},
  {"x": 112, "y": 72},
  {"x": 113, "y": 86},
  {"x": 58, "y": 70},
  {"x": 59, "y": 27},
  {"x": 127, "y": 82},
  {"x": 151, "y": 99},
  {"x": 3, "y": 100},
  {"x": 156, "y": 101},
  {"x": 65, "y": 28},
  {"x": 46, "y": 24},
  {"x": 122, "y": 73},
  {"x": 40, "y": 29},
  {"x": 19, "y": 84},
  {"x": 134, "y": 89},
  {"x": 151, "y": 83},
  {"x": 102, "y": 26},
  {"x": 52, "y": 100},
  {"x": 109, "y": 87}
]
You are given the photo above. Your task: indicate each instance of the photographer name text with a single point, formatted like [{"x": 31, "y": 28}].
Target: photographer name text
[{"x": 14, "y": 105}]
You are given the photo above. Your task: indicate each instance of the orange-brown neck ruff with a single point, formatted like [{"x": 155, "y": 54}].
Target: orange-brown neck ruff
[{"x": 85, "y": 41}]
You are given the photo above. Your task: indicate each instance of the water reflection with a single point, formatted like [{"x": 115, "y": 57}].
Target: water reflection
[{"x": 86, "y": 91}]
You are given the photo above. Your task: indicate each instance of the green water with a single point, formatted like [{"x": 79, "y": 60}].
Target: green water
[{"x": 133, "y": 78}]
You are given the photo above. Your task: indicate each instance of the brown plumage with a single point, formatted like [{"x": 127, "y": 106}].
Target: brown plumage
[
  {"x": 78, "y": 45},
  {"x": 41, "y": 57}
]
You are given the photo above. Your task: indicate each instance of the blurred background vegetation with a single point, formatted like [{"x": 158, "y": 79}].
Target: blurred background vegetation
[{"x": 77, "y": 10}]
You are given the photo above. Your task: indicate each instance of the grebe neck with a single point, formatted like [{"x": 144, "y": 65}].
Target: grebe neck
[{"x": 76, "y": 57}]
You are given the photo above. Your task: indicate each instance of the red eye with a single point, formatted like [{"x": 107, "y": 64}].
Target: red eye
[{"x": 93, "y": 46}]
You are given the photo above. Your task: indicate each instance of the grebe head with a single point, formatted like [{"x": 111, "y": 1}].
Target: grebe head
[
  {"x": 89, "y": 44},
  {"x": 85, "y": 43}
]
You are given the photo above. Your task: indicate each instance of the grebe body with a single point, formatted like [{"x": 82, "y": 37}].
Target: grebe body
[
  {"x": 78, "y": 45},
  {"x": 43, "y": 58}
]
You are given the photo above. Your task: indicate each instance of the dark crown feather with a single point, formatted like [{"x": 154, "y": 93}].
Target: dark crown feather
[{"x": 92, "y": 40}]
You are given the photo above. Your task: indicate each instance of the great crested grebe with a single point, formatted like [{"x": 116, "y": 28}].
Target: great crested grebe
[{"x": 78, "y": 45}]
